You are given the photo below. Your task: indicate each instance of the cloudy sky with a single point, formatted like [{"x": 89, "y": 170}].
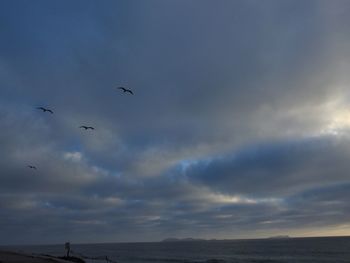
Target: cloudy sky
[{"x": 239, "y": 126}]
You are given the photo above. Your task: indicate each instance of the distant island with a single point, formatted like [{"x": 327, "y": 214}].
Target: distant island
[
  {"x": 279, "y": 237},
  {"x": 189, "y": 239}
]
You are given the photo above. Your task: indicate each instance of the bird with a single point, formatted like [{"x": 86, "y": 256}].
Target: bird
[
  {"x": 45, "y": 110},
  {"x": 126, "y": 90},
  {"x": 87, "y": 127},
  {"x": 32, "y": 167}
]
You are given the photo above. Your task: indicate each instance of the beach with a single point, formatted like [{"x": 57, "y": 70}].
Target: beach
[{"x": 16, "y": 257}]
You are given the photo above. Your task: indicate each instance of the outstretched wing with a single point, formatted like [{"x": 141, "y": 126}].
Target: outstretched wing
[
  {"x": 50, "y": 111},
  {"x": 130, "y": 91}
]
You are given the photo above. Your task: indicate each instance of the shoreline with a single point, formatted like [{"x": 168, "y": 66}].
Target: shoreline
[{"x": 21, "y": 257}]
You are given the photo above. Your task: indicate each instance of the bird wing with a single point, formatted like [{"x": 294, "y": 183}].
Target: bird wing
[
  {"x": 130, "y": 92},
  {"x": 50, "y": 111},
  {"x": 40, "y": 108}
]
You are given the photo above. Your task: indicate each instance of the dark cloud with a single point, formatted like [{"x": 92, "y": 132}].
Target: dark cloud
[{"x": 276, "y": 169}]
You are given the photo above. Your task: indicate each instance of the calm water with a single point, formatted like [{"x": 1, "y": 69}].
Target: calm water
[{"x": 331, "y": 249}]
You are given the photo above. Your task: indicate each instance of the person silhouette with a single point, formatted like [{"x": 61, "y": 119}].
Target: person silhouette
[{"x": 67, "y": 247}]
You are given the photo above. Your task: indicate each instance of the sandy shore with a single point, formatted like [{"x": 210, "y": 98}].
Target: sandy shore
[{"x": 14, "y": 257}]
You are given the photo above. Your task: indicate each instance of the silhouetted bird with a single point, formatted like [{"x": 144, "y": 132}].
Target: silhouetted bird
[
  {"x": 126, "y": 90},
  {"x": 32, "y": 167},
  {"x": 45, "y": 110},
  {"x": 87, "y": 127}
]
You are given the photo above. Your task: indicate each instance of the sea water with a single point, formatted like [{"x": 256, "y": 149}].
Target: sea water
[{"x": 296, "y": 250}]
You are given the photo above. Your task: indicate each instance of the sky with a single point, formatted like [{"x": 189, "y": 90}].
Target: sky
[{"x": 239, "y": 126}]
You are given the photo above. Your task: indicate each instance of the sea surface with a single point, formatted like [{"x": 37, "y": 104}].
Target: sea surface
[{"x": 296, "y": 250}]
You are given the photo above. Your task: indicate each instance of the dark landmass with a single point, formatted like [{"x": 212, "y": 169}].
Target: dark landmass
[
  {"x": 73, "y": 259},
  {"x": 189, "y": 239},
  {"x": 279, "y": 237},
  {"x": 17, "y": 257}
]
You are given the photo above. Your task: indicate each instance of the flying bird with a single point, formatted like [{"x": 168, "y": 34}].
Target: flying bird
[
  {"x": 87, "y": 127},
  {"x": 32, "y": 167},
  {"x": 126, "y": 90},
  {"x": 45, "y": 110}
]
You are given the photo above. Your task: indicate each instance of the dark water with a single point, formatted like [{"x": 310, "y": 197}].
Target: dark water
[{"x": 330, "y": 249}]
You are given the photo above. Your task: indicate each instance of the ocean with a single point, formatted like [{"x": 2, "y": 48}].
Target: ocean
[{"x": 296, "y": 250}]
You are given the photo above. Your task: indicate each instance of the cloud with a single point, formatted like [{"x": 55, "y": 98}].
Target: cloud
[
  {"x": 276, "y": 169},
  {"x": 238, "y": 125}
]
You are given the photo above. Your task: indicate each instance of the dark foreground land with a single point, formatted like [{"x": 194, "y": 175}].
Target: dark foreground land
[{"x": 15, "y": 257}]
